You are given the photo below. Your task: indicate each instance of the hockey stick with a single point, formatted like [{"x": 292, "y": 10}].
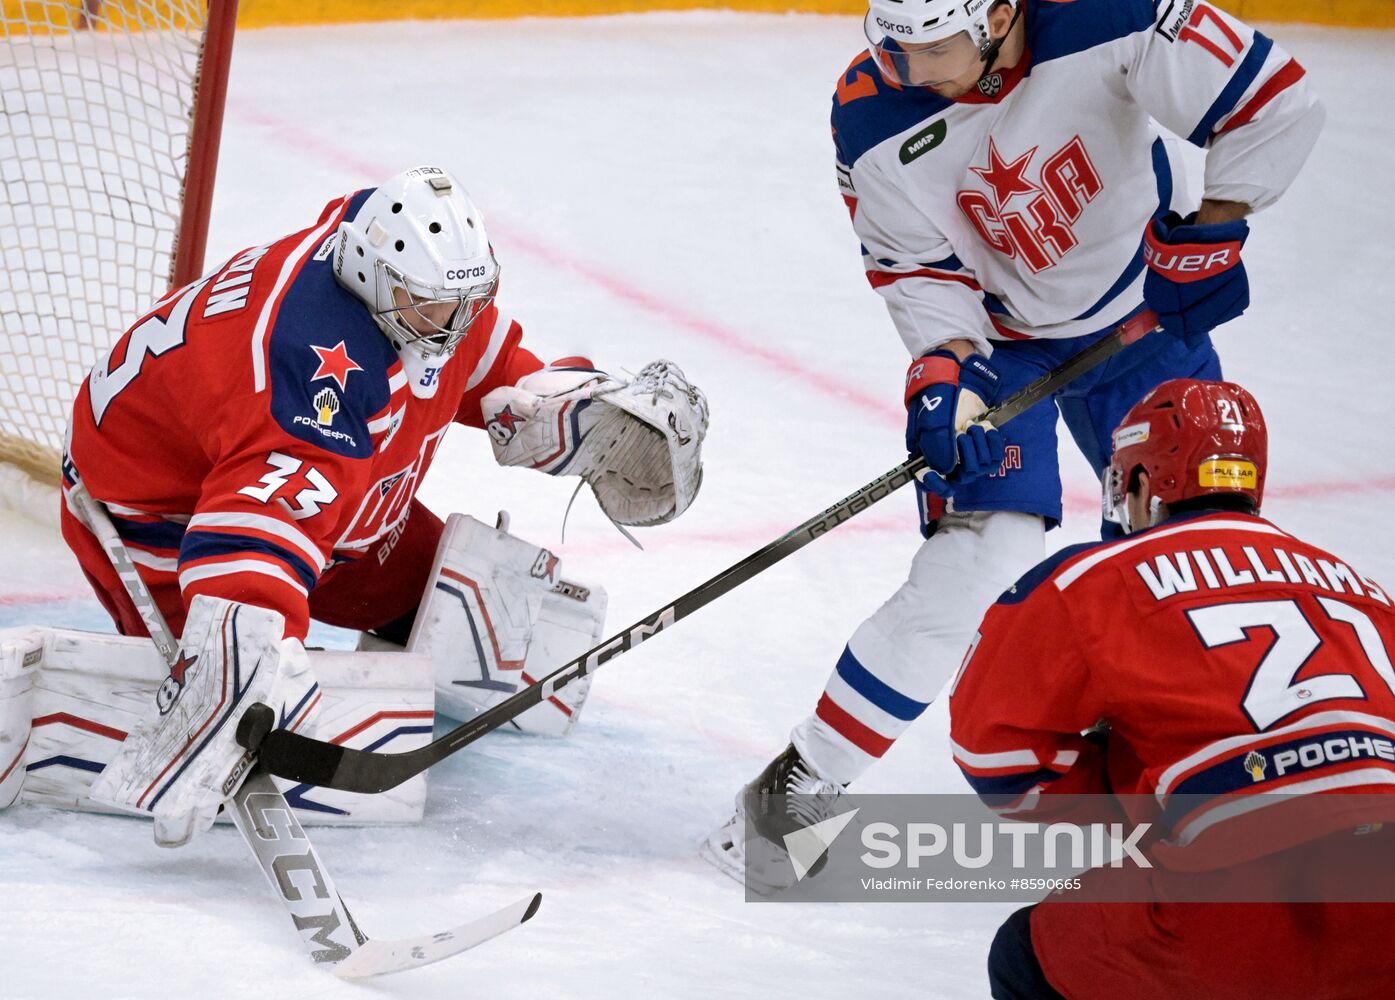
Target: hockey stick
[
  {"x": 302, "y": 759},
  {"x": 277, "y": 840}
]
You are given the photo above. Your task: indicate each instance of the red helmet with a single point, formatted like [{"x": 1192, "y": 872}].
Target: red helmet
[{"x": 1194, "y": 439}]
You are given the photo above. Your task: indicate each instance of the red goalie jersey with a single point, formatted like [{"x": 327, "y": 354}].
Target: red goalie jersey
[
  {"x": 256, "y": 429},
  {"x": 1227, "y": 658}
]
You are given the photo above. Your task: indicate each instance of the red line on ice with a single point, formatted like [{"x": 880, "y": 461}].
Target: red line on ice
[
  {"x": 304, "y": 140},
  {"x": 46, "y": 597},
  {"x": 1076, "y": 502},
  {"x": 706, "y": 328}
]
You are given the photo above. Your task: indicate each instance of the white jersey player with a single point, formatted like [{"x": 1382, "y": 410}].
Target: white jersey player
[{"x": 1015, "y": 202}]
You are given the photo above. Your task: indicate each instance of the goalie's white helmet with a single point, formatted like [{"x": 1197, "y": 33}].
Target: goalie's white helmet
[
  {"x": 920, "y": 42},
  {"x": 417, "y": 255}
]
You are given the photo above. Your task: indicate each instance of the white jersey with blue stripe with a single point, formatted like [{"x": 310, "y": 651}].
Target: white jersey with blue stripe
[{"x": 1018, "y": 211}]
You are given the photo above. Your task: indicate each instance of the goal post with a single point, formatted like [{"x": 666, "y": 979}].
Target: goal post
[
  {"x": 110, "y": 118},
  {"x": 210, "y": 94}
]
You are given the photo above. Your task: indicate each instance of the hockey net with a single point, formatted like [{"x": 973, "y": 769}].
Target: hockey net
[{"x": 109, "y": 119}]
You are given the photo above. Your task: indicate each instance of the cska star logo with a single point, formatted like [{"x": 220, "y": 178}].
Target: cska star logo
[
  {"x": 385, "y": 486},
  {"x": 503, "y": 426},
  {"x": 334, "y": 363},
  {"x": 172, "y": 686},
  {"x": 1031, "y": 220}
]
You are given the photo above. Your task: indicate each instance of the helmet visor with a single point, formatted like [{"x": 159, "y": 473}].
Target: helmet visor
[
  {"x": 918, "y": 64},
  {"x": 434, "y": 320}
]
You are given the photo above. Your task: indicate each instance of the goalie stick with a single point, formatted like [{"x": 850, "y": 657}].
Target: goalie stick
[
  {"x": 303, "y": 759},
  {"x": 277, "y": 840}
]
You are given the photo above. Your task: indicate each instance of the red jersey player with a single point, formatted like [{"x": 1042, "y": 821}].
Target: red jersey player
[
  {"x": 260, "y": 435},
  {"x": 1223, "y": 657}
]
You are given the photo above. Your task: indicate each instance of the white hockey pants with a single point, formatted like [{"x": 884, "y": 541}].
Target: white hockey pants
[{"x": 898, "y": 659}]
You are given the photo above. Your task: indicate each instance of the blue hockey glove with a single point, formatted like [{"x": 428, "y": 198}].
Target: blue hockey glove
[
  {"x": 1196, "y": 280},
  {"x": 942, "y": 395}
]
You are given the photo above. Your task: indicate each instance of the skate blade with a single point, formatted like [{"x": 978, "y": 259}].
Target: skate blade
[
  {"x": 725, "y": 850},
  {"x": 722, "y": 849}
]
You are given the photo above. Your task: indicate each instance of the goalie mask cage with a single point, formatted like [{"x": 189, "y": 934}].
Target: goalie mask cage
[{"x": 110, "y": 113}]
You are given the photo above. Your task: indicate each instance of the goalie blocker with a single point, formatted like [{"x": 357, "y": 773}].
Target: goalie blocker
[{"x": 182, "y": 761}]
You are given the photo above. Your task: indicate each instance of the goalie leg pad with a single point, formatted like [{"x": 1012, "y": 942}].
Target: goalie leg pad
[
  {"x": 496, "y": 617},
  {"x": 90, "y": 689},
  {"x": 19, "y": 664},
  {"x": 382, "y": 702},
  {"x": 572, "y": 620},
  {"x": 182, "y": 762}
]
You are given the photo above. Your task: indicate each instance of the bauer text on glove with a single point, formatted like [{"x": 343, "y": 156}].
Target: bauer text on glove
[{"x": 1196, "y": 280}]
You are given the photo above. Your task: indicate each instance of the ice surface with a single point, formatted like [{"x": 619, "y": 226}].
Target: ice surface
[{"x": 662, "y": 186}]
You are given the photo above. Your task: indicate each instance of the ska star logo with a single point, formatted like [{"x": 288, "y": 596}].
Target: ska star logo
[
  {"x": 1004, "y": 178},
  {"x": 335, "y": 363},
  {"x": 1032, "y": 221}
]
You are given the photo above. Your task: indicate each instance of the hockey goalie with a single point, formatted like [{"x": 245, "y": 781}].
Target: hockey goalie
[{"x": 257, "y": 440}]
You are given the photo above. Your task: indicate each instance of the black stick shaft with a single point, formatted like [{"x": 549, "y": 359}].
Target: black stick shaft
[{"x": 299, "y": 758}]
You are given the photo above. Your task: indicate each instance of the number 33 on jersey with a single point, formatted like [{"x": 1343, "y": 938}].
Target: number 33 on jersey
[{"x": 257, "y": 426}]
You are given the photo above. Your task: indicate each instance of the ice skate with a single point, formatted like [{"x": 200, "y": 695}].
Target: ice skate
[{"x": 806, "y": 799}]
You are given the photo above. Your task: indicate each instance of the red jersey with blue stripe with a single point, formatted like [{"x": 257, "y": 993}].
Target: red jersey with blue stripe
[
  {"x": 1019, "y": 210},
  {"x": 1225, "y": 657},
  {"x": 257, "y": 427}
]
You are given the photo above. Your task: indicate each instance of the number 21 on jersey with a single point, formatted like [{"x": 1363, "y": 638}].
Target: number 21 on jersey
[{"x": 1275, "y": 692}]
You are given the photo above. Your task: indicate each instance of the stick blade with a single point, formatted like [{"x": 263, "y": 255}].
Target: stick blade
[{"x": 379, "y": 958}]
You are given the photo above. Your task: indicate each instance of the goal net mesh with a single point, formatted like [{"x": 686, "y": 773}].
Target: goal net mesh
[{"x": 96, "y": 105}]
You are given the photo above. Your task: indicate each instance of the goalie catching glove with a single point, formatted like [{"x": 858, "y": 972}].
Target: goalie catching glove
[{"x": 638, "y": 444}]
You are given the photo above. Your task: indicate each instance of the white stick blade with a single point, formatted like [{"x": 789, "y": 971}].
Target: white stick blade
[{"x": 378, "y": 958}]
